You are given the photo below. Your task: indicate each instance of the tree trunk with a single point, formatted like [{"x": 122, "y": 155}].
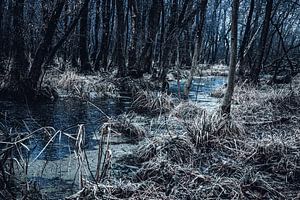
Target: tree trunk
[
  {"x": 42, "y": 51},
  {"x": 226, "y": 104},
  {"x": 177, "y": 23},
  {"x": 14, "y": 84},
  {"x": 135, "y": 21},
  {"x": 198, "y": 41},
  {"x": 169, "y": 43},
  {"x": 66, "y": 35},
  {"x": 153, "y": 27},
  {"x": 1, "y": 34},
  {"x": 103, "y": 53},
  {"x": 120, "y": 39},
  {"x": 85, "y": 65},
  {"x": 97, "y": 25},
  {"x": 246, "y": 37},
  {"x": 255, "y": 71}
]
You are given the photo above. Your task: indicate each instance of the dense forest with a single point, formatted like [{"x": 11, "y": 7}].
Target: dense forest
[
  {"x": 138, "y": 37},
  {"x": 154, "y": 52}
]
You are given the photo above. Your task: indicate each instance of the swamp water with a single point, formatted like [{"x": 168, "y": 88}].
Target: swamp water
[{"x": 55, "y": 169}]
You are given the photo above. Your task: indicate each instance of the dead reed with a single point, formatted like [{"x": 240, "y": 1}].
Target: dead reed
[
  {"x": 254, "y": 154},
  {"x": 187, "y": 111},
  {"x": 152, "y": 103},
  {"x": 125, "y": 126},
  {"x": 70, "y": 83},
  {"x": 14, "y": 157}
]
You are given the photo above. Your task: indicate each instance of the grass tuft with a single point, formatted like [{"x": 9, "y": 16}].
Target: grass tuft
[
  {"x": 125, "y": 126},
  {"x": 187, "y": 111},
  {"x": 209, "y": 129},
  {"x": 153, "y": 103},
  {"x": 70, "y": 83}
]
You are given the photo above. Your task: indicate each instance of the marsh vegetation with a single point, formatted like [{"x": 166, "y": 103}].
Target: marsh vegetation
[{"x": 132, "y": 99}]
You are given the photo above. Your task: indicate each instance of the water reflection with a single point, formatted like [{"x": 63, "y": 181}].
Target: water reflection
[
  {"x": 67, "y": 113},
  {"x": 64, "y": 114},
  {"x": 201, "y": 89}
]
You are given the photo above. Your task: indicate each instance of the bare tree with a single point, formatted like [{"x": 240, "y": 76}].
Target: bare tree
[
  {"x": 85, "y": 65},
  {"x": 255, "y": 71},
  {"x": 246, "y": 37},
  {"x": 20, "y": 84},
  {"x": 198, "y": 41},
  {"x": 135, "y": 22},
  {"x": 103, "y": 52},
  {"x": 226, "y": 104},
  {"x": 96, "y": 30},
  {"x": 120, "y": 57},
  {"x": 15, "y": 80},
  {"x": 153, "y": 27},
  {"x": 36, "y": 70}
]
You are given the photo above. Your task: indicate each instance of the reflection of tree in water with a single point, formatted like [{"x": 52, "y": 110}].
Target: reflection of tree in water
[
  {"x": 64, "y": 115},
  {"x": 42, "y": 115}
]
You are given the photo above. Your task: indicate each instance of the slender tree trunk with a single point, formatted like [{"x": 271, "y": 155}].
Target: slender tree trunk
[
  {"x": 66, "y": 22},
  {"x": 1, "y": 31},
  {"x": 246, "y": 37},
  {"x": 177, "y": 23},
  {"x": 97, "y": 25},
  {"x": 169, "y": 43},
  {"x": 226, "y": 104},
  {"x": 14, "y": 84},
  {"x": 153, "y": 27},
  {"x": 42, "y": 51},
  {"x": 186, "y": 57},
  {"x": 104, "y": 49},
  {"x": 285, "y": 50},
  {"x": 135, "y": 21},
  {"x": 255, "y": 71},
  {"x": 20, "y": 65},
  {"x": 127, "y": 30},
  {"x": 198, "y": 41},
  {"x": 85, "y": 65},
  {"x": 120, "y": 57},
  {"x": 66, "y": 35}
]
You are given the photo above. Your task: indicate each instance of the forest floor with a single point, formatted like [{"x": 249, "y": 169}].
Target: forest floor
[{"x": 199, "y": 154}]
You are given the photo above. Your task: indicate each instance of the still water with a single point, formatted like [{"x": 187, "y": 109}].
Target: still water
[
  {"x": 201, "y": 89},
  {"x": 54, "y": 169}
]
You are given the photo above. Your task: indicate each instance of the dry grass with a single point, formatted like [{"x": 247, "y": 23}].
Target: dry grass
[
  {"x": 152, "y": 103},
  {"x": 201, "y": 70},
  {"x": 218, "y": 93},
  {"x": 177, "y": 149},
  {"x": 70, "y": 83},
  {"x": 14, "y": 159},
  {"x": 255, "y": 154},
  {"x": 209, "y": 129},
  {"x": 277, "y": 156},
  {"x": 125, "y": 126},
  {"x": 215, "y": 70},
  {"x": 187, "y": 111},
  {"x": 133, "y": 86}
]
